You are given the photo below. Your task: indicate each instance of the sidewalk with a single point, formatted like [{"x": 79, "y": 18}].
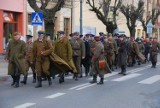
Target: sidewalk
[{"x": 3, "y": 68}]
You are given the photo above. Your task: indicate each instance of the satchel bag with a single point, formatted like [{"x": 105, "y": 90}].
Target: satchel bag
[{"x": 101, "y": 64}]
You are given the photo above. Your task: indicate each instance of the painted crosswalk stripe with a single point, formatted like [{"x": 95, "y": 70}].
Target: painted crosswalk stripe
[
  {"x": 25, "y": 105},
  {"x": 142, "y": 68},
  {"x": 85, "y": 86},
  {"x": 107, "y": 75},
  {"x": 55, "y": 95},
  {"x": 29, "y": 76},
  {"x": 79, "y": 86},
  {"x": 124, "y": 78},
  {"x": 69, "y": 77},
  {"x": 150, "y": 80}
]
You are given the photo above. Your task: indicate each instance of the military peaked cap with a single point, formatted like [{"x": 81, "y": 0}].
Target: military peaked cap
[{"x": 29, "y": 36}]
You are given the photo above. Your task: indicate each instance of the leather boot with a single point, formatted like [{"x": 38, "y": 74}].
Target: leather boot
[
  {"x": 49, "y": 80},
  {"x": 121, "y": 70},
  {"x": 75, "y": 76},
  {"x": 14, "y": 80},
  {"x": 61, "y": 79},
  {"x": 39, "y": 82},
  {"x": 94, "y": 79},
  {"x": 154, "y": 64},
  {"x": 80, "y": 75},
  {"x": 24, "y": 80},
  {"x": 86, "y": 71},
  {"x": 17, "y": 81},
  {"x": 112, "y": 68},
  {"x": 124, "y": 70},
  {"x": 34, "y": 78},
  {"x": 101, "y": 81}
]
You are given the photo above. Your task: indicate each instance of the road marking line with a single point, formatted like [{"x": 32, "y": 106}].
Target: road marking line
[
  {"x": 25, "y": 105},
  {"x": 139, "y": 69},
  {"x": 69, "y": 77},
  {"x": 55, "y": 95},
  {"x": 85, "y": 86},
  {"x": 29, "y": 76},
  {"x": 127, "y": 77},
  {"x": 79, "y": 86},
  {"x": 107, "y": 75},
  {"x": 150, "y": 80}
]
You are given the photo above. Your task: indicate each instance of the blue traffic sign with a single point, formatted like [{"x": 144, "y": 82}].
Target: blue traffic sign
[
  {"x": 149, "y": 30},
  {"x": 37, "y": 18},
  {"x": 149, "y": 27}
]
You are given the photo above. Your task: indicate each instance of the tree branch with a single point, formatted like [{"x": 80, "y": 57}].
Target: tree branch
[
  {"x": 58, "y": 6},
  {"x": 34, "y": 5},
  {"x": 43, "y": 6}
]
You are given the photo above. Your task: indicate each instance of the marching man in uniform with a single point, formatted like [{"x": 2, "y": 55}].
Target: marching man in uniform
[
  {"x": 40, "y": 55},
  {"x": 122, "y": 55},
  {"x": 98, "y": 62},
  {"x": 154, "y": 49},
  {"x": 15, "y": 55},
  {"x": 29, "y": 48}
]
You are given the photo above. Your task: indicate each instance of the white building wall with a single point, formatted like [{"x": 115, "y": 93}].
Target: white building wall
[
  {"x": 64, "y": 13},
  {"x": 90, "y": 20}
]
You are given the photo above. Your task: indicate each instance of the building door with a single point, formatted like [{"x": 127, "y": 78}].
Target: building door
[
  {"x": 9, "y": 27},
  {"x": 67, "y": 26}
]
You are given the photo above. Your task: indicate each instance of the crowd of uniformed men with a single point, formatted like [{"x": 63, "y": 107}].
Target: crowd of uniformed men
[{"x": 97, "y": 54}]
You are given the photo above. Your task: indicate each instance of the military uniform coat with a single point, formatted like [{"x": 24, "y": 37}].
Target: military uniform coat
[
  {"x": 16, "y": 55},
  {"x": 141, "y": 47},
  {"x": 78, "y": 47},
  {"x": 98, "y": 55},
  {"x": 63, "y": 49},
  {"x": 122, "y": 54},
  {"x": 109, "y": 52},
  {"x": 133, "y": 51},
  {"x": 92, "y": 44},
  {"x": 28, "y": 59},
  {"x": 42, "y": 61},
  {"x": 115, "y": 49},
  {"x": 154, "y": 49}
]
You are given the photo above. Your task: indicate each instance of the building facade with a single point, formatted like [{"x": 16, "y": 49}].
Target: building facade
[
  {"x": 62, "y": 21},
  {"x": 91, "y": 24},
  {"x": 12, "y": 19},
  {"x": 157, "y": 25}
]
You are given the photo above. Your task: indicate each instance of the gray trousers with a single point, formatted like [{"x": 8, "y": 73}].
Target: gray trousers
[{"x": 77, "y": 63}]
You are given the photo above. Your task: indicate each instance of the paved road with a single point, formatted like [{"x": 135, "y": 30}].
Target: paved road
[{"x": 139, "y": 89}]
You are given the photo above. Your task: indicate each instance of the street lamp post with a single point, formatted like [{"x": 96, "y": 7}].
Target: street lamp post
[{"x": 81, "y": 17}]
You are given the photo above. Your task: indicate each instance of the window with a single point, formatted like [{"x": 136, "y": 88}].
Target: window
[
  {"x": 10, "y": 26},
  {"x": 67, "y": 26},
  {"x": 10, "y": 17},
  {"x": 29, "y": 18}
]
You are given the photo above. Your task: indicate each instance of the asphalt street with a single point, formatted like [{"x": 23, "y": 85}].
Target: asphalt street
[{"x": 140, "y": 88}]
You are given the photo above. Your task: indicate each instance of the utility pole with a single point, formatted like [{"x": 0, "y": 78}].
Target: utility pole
[
  {"x": 133, "y": 2},
  {"x": 81, "y": 17},
  {"x": 71, "y": 16}
]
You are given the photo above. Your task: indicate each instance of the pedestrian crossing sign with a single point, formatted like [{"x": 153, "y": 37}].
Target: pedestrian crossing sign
[{"x": 37, "y": 18}]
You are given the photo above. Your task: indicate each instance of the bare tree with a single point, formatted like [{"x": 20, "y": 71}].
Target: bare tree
[
  {"x": 102, "y": 10},
  {"x": 153, "y": 17},
  {"x": 48, "y": 13},
  {"x": 132, "y": 14}
]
